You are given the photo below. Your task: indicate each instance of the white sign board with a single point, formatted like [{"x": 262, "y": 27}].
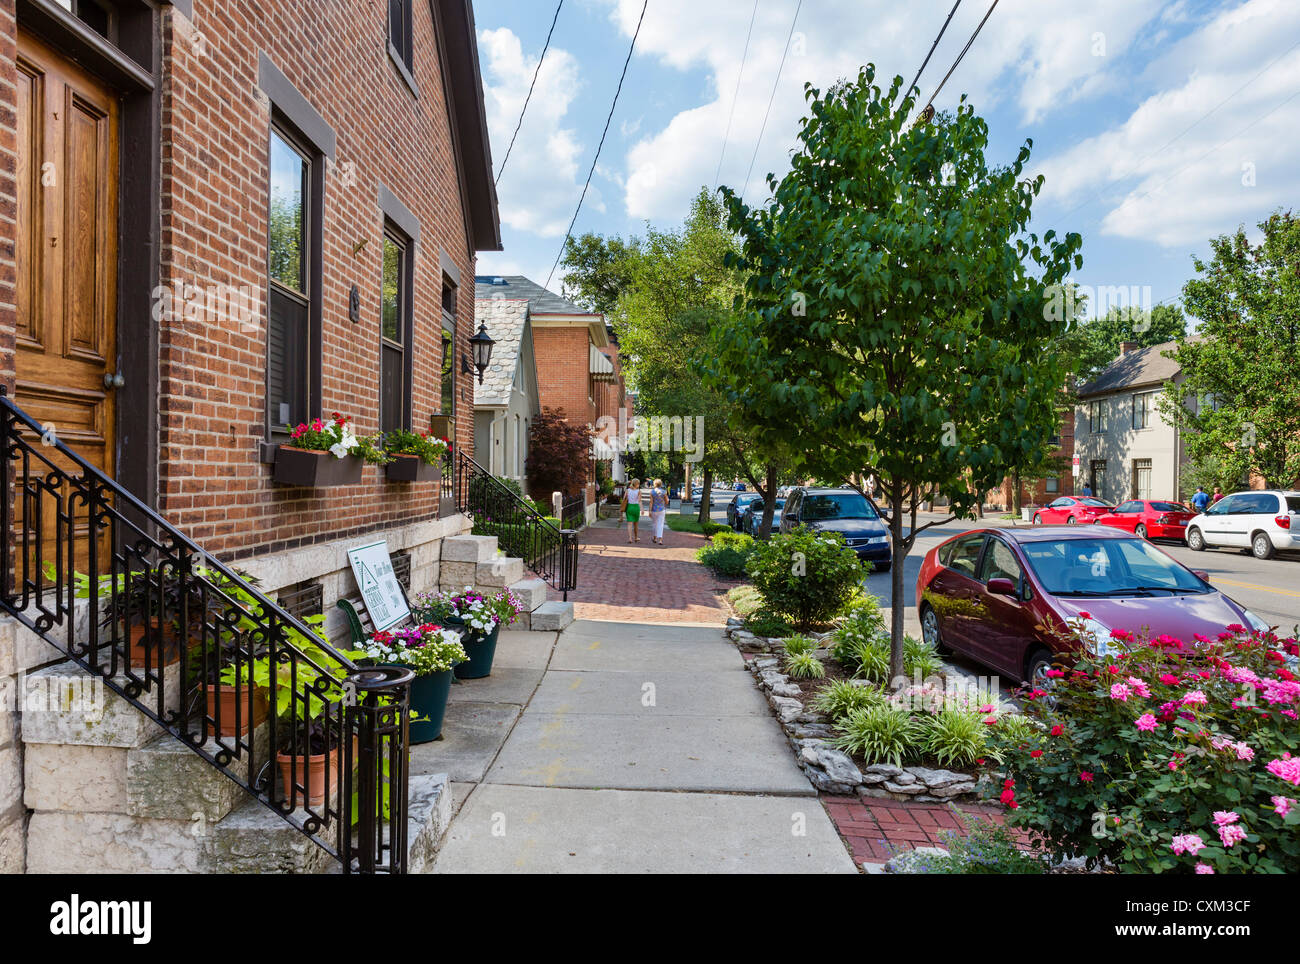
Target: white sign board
[
  {"x": 379, "y": 586},
  {"x": 1075, "y": 466}
]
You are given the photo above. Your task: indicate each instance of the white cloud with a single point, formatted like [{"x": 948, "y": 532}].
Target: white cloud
[
  {"x": 1035, "y": 54},
  {"x": 1183, "y": 160},
  {"x": 541, "y": 180}
]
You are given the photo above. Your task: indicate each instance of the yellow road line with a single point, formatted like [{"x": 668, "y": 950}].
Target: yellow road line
[{"x": 1217, "y": 581}]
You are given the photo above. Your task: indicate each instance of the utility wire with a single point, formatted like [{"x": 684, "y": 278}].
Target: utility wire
[
  {"x": 775, "y": 83},
  {"x": 930, "y": 103},
  {"x": 524, "y": 109},
  {"x": 921, "y": 69},
  {"x": 736, "y": 95},
  {"x": 594, "y": 160}
]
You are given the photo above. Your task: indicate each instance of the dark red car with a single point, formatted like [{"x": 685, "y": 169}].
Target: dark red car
[
  {"x": 1072, "y": 509},
  {"x": 982, "y": 593},
  {"x": 1150, "y": 519}
]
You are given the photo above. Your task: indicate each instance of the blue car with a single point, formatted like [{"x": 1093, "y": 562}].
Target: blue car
[{"x": 846, "y": 511}]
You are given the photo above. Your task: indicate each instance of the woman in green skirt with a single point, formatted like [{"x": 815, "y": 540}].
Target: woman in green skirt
[{"x": 632, "y": 509}]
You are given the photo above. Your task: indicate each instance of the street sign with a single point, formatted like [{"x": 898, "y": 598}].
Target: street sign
[
  {"x": 1075, "y": 466},
  {"x": 379, "y": 587}
]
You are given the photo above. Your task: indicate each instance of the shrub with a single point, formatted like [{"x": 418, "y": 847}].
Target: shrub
[
  {"x": 986, "y": 848},
  {"x": 955, "y": 737},
  {"x": 862, "y": 647},
  {"x": 838, "y": 698},
  {"x": 920, "y": 658},
  {"x": 804, "y": 666},
  {"x": 744, "y": 599},
  {"x": 726, "y": 553},
  {"x": 879, "y": 734},
  {"x": 764, "y": 622},
  {"x": 559, "y": 452},
  {"x": 810, "y": 577},
  {"x": 1164, "y": 757},
  {"x": 799, "y": 644}
]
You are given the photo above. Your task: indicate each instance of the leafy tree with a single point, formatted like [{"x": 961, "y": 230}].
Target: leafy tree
[
  {"x": 1094, "y": 344},
  {"x": 599, "y": 270},
  {"x": 893, "y": 325},
  {"x": 559, "y": 455},
  {"x": 1238, "y": 402}
]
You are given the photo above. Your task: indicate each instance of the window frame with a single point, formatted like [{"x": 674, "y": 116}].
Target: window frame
[
  {"x": 1147, "y": 408},
  {"x": 406, "y": 324},
  {"x": 402, "y": 53},
  {"x": 1097, "y": 417},
  {"x": 312, "y": 259},
  {"x": 447, "y": 368}
]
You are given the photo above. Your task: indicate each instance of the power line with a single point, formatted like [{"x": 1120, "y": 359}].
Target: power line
[
  {"x": 594, "y": 160},
  {"x": 524, "y": 109},
  {"x": 775, "y": 84},
  {"x": 736, "y": 95},
  {"x": 930, "y": 103},
  {"x": 942, "y": 29}
]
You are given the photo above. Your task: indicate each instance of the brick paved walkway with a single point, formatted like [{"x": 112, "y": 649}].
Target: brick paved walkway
[
  {"x": 644, "y": 582},
  {"x": 874, "y": 829}
]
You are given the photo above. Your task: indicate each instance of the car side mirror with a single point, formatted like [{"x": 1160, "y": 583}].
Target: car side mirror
[
  {"x": 1201, "y": 574},
  {"x": 1002, "y": 586}
]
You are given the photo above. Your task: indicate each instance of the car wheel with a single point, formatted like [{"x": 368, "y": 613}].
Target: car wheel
[
  {"x": 930, "y": 631},
  {"x": 1070, "y": 520},
  {"x": 1140, "y": 531},
  {"x": 1038, "y": 518},
  {"x": 1040, "y": 661},
  {"x": 1195, "y": 541},
  {"x": 1261, "y": 546}
]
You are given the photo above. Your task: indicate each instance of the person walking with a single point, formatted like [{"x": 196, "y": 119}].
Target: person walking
[
  {"x": 632, "y": 509},
  {"x": 1218, "y": 494},
  {"x": 1201, "y": 499},
  {"x": 658, "y": 510}
]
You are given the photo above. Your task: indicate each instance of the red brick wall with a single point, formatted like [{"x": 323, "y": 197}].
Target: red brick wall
[
  {"x": 8, "y": 188},
  {"x": 564, "y": 371},
  {"x": 212, "y": 377}
]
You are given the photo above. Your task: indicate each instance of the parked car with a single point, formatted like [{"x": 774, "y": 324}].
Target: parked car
[
  {"x": 843, "y": 510},
  {"x": 736, "y": 508},
  {"x": 985, "y": 593},
  {"x": 753, "y": 517},
  {"x": 1150, "y": 518},
  {"x": 1263, "y": 521},
  {"x": 1072, "y": 509}
]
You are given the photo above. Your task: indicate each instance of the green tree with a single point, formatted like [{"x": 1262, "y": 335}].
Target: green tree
[
  {"x": 893, "y": 325},
  {"x": 1238, "y": 401},
  {"x": 1094, "y": 343},
  {"x": 599, "y": 270}
]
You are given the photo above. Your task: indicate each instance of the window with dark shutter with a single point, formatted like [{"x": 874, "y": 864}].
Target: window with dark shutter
[
  {"x": 399, "y": 31},
  {"x": 395, "y": 335},
  {"x": 289, "y": 251}
]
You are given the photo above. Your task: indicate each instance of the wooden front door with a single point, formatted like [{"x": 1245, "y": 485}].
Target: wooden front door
[{"x": 66, "y": 257}]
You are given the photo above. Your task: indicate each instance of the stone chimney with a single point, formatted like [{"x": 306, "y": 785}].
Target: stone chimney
[{"x": 1127, "y": 346}]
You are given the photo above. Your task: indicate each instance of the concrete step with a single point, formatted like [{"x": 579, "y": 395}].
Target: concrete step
[
  {"x": 166, "y": 780},
  {"x": 551, "y": 617},
  {"x": 430, "y": 813},
  {"x": 468, "y": 548},
  {"x": 531, "y": 592},
  {"x": 64, "y": 704}
]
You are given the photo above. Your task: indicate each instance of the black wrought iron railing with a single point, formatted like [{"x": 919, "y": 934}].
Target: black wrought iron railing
[
  {"x": 573, "y": 511},
  {"x": 548, "y": 550},
  {"x": 196, "y": 647}
]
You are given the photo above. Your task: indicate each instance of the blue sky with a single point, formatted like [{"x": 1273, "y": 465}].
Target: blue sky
[{"x": 1157, "y": 124}]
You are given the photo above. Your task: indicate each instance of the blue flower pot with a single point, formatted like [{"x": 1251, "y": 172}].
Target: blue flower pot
[
  {"x": 429, "y": 705},
  {"x": 482, "y": 650}
]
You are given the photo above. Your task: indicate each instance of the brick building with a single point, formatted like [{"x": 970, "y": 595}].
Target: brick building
[{"x": 220, "y": 218}]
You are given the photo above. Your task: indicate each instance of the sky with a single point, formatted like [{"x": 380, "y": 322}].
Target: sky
[{"x": 1157, "y": 125}]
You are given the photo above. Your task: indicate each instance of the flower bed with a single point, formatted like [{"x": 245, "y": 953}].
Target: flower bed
[{"x": 1160, "y": 756}]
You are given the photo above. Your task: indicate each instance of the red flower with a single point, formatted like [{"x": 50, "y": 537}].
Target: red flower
[
  {"x": 1058, "y": 730},
  {"x": 1083, "y": 615},
  {"x": 1036, "y": 754},
  {"x": 1086, "y": 776}
]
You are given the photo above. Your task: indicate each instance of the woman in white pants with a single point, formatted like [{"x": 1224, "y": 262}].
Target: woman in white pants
[{"x": 658, "y": 509}]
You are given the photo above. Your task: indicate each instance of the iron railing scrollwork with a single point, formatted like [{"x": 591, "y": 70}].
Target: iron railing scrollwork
[
  {"x": 548, "y": 550},
  {"x": 195, "y": 646}
]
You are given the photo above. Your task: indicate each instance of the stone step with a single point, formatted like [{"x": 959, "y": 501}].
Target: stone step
[
  {"x": 430, "y": 812},
  {"x": 65, "y": 704},
  {"x": 254, "y": 840},
  {"x": 551, "y": 617},
  {"x": 531, "y": 592},
  {"x": 167, "y": 780},
  {"x": 475, "y": 549}
]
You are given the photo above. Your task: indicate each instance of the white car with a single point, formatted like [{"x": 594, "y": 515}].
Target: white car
[{"x": 1262, "y": 521}]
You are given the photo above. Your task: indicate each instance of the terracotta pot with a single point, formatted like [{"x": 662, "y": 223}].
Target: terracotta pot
[
  {"x": 312, "y": 468},
  {"x": 412, "y": 468},
  {"x": 251, "y": 714},
  {"x": 139, "y": 648},
  {"x": 310, "y": 771}
]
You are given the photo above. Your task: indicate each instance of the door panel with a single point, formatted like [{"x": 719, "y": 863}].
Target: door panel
[{"x": 67, "y": 256}]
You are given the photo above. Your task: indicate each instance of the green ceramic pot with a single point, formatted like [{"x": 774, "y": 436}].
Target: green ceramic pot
[
  {"x": 482, "y": 650},
  {"x": 429, "y": 705}
]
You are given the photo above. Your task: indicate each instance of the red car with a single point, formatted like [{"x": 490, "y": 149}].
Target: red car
[
  {"x": 1150, "y": 519},
  {"x": 1072, "y": 509},
  {"x": 984, "y": 592}
]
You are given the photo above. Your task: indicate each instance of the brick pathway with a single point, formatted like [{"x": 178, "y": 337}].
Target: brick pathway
[
  {"x": 644, "y": 582},
  {"x": 874, "y": 829}
]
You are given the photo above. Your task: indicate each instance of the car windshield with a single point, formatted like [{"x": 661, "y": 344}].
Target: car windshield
[
  {"x": 1107, "y": 567},
  {"x": 849, "y": 505},
  {"x": 1169, "y": 507}
]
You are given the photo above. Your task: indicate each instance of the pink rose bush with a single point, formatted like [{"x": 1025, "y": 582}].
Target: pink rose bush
[{"x": 1164, "y": 756}]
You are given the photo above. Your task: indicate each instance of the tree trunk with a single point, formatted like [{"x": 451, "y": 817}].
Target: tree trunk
[
  {"x": 705, "y": 495},
  {"x": 896, "y": 603},
  {"x": 769, "y": 502},
  {"x": 1015, "y": 491}
]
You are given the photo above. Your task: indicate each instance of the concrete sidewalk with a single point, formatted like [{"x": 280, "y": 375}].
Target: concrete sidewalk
[{"x": 641, "y": 748}]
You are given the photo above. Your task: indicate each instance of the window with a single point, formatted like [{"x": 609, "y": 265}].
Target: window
[
  {"x": 448, "y": 347},
  {"x": 999, "y": 561},
  {"x": 292, "y": 245},
  {"x": 302, "y": 600},
  {"x": 1052, "y": 485},
  {"x": 1097, "y": 416},
  {"x": 1143, "y": 409},
  {"x": 395, "y": 335},
  {"x": 966, "y": 554},
  {"x": 402, "y": 568},
  {"x": 1099, "y": 479},
  {"x": 1142, "y": 478},
  {"x": 399, "y": 32}
]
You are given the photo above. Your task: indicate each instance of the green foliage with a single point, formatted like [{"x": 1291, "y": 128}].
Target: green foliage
[
  {"x": 1094, "y": 344},
  {"x": 429, "y": 448},
  {"x": 955, "y": 737},
  {"x": 726, "y": 553},
  {"x": 744, "y": 599},
  {"x": 985, "y": 848},
  {"x": 840, "y": 697},
  {"x": 1238, "y": 401},
  {"x": 1138, "y": 751},
  {"x": 799, "y": 644},
  {"x": 804, "y": 666},
  {"x": 878, "y": 734},
  {"x": 810, "y": 577},
  {"x": 764, "y": 622},
  {"x": 895, "y": 304},
  {"x": 920, "y": 659}
]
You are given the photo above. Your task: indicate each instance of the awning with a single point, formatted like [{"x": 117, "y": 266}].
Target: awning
[{"x": 602, "y": 369}]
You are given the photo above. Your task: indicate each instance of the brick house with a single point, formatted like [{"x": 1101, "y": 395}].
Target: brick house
[{"x": 223, "y": 218}]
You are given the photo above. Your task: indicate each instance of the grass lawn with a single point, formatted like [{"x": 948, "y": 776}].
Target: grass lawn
[{"x": 685, "y": 523}]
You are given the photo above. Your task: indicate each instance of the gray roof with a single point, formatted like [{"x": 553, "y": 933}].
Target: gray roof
[
  {"x": 506, "y": 321},
  {"x": 1143, "y": 366},
  {"x": 540, "y": 301}
]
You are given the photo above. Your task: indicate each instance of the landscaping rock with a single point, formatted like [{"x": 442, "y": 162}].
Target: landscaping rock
[
  {"x": 907, "y": 789},
  {"x": 839, "y": 766},
  {"x": 787, "y": 709},
  {"x": 787, "y": 689},
  {"x": 934, "y": 779},
  {"x": 913, "y": 861},
  {"x": 954, "y": 789},
  {"x": 884, "y": 769}
]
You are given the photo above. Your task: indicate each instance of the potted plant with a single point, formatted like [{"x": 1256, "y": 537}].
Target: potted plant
[
  {"x": 234, "y": 701},
  {"x": 431, "y": 651},
  {"x": 481, "y": 615},
  {"x": 326, "y": 453},
  {"x": 147, "y": 608},
  {"x": 416, "y": 456}
]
